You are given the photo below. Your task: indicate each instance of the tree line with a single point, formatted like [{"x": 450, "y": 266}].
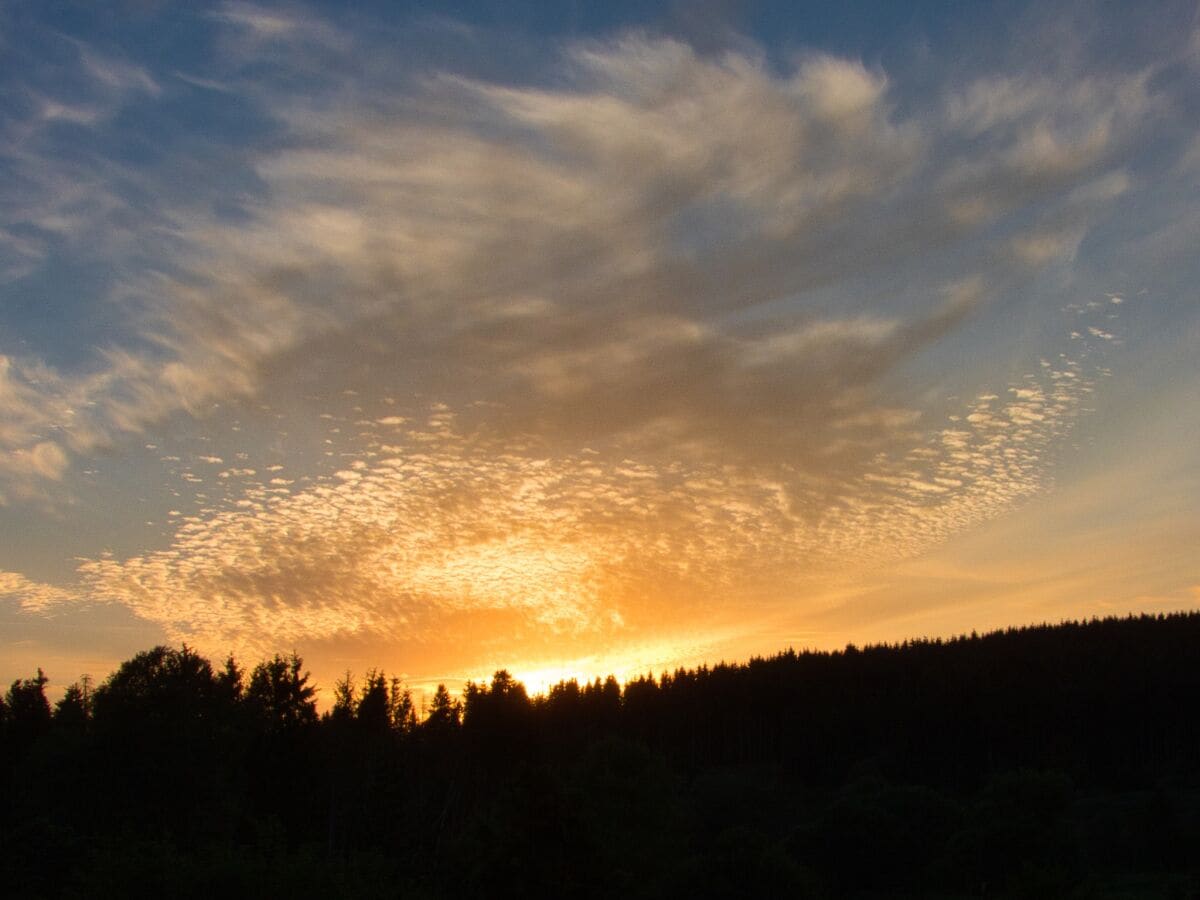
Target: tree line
[{"x": 1043, "y": 761}]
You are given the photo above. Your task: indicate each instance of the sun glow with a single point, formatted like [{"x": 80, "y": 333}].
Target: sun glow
[{"x": 625, "y": 663}]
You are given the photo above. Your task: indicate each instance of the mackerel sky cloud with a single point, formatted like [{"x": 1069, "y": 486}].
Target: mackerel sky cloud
[{"x": 577, "y": 345}]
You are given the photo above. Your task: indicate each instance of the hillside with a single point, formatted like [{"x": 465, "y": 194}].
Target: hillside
[{"x": 1055, "y": 760}]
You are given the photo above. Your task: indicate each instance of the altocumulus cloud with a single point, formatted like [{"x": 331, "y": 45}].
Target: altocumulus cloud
[{"x": 432, "y": 523}]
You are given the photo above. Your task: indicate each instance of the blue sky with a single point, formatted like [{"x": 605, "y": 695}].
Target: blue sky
[{"x": 599, "y": 339}]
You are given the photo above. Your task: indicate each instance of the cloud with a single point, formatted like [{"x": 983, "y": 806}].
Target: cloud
[
  {"x": 430, "y": 525},
  {"x": 596, "y": 265},
  {"x": 630, "y": 255},
  {"x": 34, "y": 596},
  {"x": 56, "y": 188},
  {"x": 43, "y": 460},
  {"x": 116, "y": 75},
  {"x": 270, "y": 24},
  {"x": 1189, "y": 161},
  {"x": 1034, "y": 135},
  {"x": 1040, "y": 248}
]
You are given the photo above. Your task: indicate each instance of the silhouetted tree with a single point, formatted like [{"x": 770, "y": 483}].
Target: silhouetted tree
[
  {"x": 28, "y": 710},
  {"x": 279, "y": 692},
  {"x": 345, "y": 703},
  {"x": 165, "y": 729},
  {"x": 402, "y": 713},
  {"x": 373, "y": 712},
  {"x": 158, "y": 686},
  {"x": 445, "y": 713},
  {"x": 74, "y": 708},
  {"x": 231, "y": 680}
]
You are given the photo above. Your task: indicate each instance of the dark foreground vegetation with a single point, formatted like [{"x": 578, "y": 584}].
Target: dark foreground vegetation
[{"x": 1055, "y": 761}]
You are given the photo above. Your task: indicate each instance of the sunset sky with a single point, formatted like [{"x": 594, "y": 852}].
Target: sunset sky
[{"x": 585, "y": 338}]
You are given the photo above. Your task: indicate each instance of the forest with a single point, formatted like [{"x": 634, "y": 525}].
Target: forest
[{"x": 1047, "y": 761}]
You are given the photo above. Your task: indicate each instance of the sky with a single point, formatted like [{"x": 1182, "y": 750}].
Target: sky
[{"x": 580, "y": 339}]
